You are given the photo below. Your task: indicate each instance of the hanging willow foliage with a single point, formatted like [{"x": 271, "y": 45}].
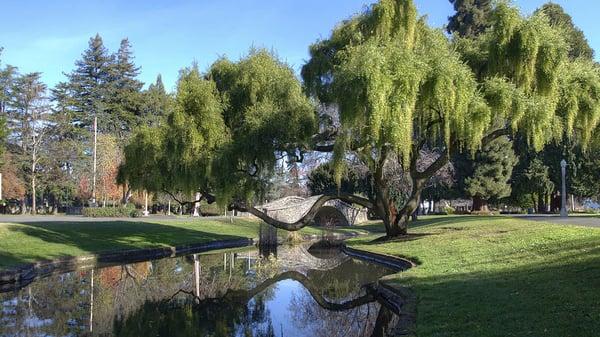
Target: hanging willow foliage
[
  {"x": 401, "y": 82},
  {"x": 226, "y": 132},
  {"x": 529, "y": 82}
]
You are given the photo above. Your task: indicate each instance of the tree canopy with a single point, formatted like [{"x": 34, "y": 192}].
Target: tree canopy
[
  {"x": 402, "y": 87},
  {"x": 226, "y": 132}
]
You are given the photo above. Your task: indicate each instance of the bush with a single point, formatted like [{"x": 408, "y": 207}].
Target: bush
[
  {"x": 213, "y": 209},
  {"x": 128, "y": 211},
  {"x": 449, "y": 210}
]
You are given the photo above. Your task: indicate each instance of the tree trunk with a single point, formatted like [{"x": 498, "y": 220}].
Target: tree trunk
[
  {"x": 480, "y": 205},
  {"x": 23, "y": 205},
  {"x": 126, "y": 194},
  {"x": 541, "y": 208},
  {"x": 33, "y": 191},
  {"x": 399, "y": 224},
  {"x": 196, "y": 209}
]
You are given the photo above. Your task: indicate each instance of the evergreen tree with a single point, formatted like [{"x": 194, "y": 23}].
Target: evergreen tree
[
  {"x": 471, "y": 17},
  {"x": 103, "y": 85},
  {"x": 321, "y": 180},
  {"x": 493, "y": 170},
  {"x": 578, "y": 44},
  {"x": 87, "y": 89},
  {"x": 156, "y": 104},
  {"x": 124, "y": 100}
]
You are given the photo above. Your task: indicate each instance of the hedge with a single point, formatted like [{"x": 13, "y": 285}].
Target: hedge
[{"x": 111, "y": 212}]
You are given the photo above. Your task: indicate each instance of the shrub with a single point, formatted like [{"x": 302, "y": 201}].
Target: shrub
[
  {"x": 449, "y": 210},
  {"x": 128, "y": 211}
]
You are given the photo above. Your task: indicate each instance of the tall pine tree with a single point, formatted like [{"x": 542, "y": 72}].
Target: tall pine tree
[
  {"x": 156, "y": 104},
  {"x": 125, "y": 99},
  {"x": 87, "y": 86},
  {"x": 103, "y": 85},
  {"x": 471, "y": 18},
  {"x": 578, "y": 44}
]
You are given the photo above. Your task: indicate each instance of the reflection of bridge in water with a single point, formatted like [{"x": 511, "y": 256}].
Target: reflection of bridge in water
[{"x": 333, "y": 213}]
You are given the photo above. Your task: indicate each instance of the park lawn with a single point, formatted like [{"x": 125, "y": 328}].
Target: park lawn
[
  {"x": 499, "y": 276},
  {"x": 35, "y": 241}
]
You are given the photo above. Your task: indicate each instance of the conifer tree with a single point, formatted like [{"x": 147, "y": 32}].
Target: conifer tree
[
  {"x": 578, "y": 44},
  {"x": 493, "y": 170},
  {"x": 471, "y": 17},
  {"x": 87, "y": 89},
  {"x": 155, "y": 104},
  {"x": 124, "y": 99}
]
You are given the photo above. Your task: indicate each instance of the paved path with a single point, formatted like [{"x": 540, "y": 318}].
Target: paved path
[
  {"x": 583, "y": 220},
  {"x": 79, "y": 218}
]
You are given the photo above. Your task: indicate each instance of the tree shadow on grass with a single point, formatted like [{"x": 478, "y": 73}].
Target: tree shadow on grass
[
  {"x": 533, "y": 301},
  {"x": 557, "y": 295},
  {"x": 66, "y": 238},
  {"x": 378, "y": 227}
]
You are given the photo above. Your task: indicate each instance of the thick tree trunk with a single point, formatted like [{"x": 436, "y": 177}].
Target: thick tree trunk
[
  {"x": 480, "y": 205},
  {"x": 126, "y": 194}
]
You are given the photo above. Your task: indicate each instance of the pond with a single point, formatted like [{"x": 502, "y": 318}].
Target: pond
[{"x": 292, "y": 291}]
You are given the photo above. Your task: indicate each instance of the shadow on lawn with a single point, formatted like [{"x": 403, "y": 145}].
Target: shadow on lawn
[
  {"x": 95, "y": 237},
  {"x": 554, "y": 294},
  {"x": 556, "y": 297}
]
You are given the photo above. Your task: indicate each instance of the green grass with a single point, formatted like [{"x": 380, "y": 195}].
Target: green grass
[
  {"x": 499, "y": 276},
  {"x": 34, "y": 241}
]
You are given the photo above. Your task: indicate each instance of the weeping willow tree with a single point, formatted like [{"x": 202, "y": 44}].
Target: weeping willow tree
[
  {"x": 227, "y": 130},
  {"x": 402, "y": 88}
]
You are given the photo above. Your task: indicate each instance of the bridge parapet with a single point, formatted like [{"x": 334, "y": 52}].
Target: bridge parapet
[{"x": 291, "y": 209}]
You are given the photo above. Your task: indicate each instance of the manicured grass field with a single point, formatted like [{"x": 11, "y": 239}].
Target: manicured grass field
[
  {"x": 34, "y": 241},
  {"x": 499, "y": 276}
]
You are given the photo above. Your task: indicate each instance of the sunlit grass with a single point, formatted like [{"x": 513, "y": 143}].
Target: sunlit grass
[
  {"x": 30, "y": 242},
  {"x": 499, "y": 276}
]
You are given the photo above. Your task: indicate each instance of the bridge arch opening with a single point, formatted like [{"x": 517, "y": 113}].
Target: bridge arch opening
[{"x": 329, "y": 216}]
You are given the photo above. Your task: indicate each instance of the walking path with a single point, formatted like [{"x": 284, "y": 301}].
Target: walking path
[
  {"x": 78, "y": 218},
  {"x": 577, "y": 220}
]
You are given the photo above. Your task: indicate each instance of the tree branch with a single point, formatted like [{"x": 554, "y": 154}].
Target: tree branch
[
  {"x": 495, "y": 134},
  {"x": 182, "y": 202}
]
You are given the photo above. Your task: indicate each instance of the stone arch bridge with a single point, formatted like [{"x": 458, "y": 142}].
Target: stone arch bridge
[{"x": 332, "y": 213}]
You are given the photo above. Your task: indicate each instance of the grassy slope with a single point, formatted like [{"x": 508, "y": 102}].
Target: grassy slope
[
  {"x": 29, "y": 242},
  {"x": 500, "y": 277}
]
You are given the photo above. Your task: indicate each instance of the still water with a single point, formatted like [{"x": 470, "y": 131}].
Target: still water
[{"x": 294, "y": 291}]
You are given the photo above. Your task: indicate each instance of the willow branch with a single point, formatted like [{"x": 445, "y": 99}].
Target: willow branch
[{"x": 495, "y": 134}]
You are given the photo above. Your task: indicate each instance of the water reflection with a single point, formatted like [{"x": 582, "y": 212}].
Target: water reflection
[{"x": 237, "y": 293}]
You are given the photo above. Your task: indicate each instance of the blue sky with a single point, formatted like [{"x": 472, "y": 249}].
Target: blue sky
[{"x": 48, "y": 36}]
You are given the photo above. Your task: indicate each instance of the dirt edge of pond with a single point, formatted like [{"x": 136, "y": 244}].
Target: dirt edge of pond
[
  {"x": 401, "y": 300},
  {"x": 21, "y": 275}
]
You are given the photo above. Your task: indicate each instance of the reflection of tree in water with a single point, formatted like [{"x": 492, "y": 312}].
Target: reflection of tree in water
[
  {"x": 309, "y": 316},
  {"x": 211, "y": 317},
  {"x": 216, "y": 294},
  {"x": 56, "y": 307},
  {"x": 346, "y": 280}
]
